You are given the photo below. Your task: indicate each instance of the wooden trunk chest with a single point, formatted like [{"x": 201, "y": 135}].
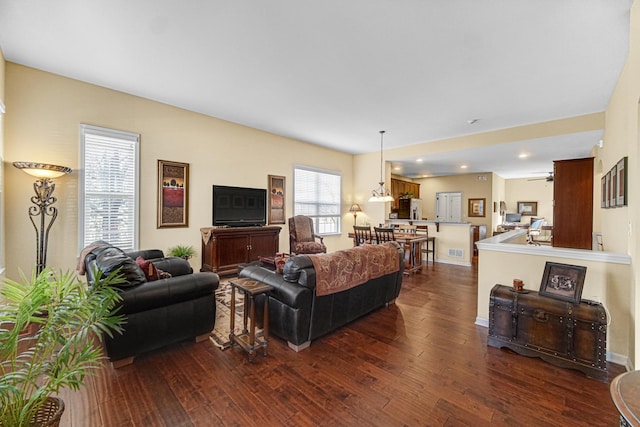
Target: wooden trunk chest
[{"x": 566, "y": 334}]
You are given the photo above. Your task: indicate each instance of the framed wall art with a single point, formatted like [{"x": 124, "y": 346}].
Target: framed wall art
[
  {"x": 528, "y": 208},
  {"x": 607, "y": 185},
  {"x": 603, "y": 191},
  {"x": 276, "y": 199},
  {"x": 563, "y": 281},
  {"x": 173, "y": 194},
  {"x": 477, "y": 207},
  {"x": 621, "y": 183},
  {"x": 614, "y": 187}
]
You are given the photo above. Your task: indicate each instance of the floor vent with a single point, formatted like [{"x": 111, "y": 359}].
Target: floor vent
[{"x": 457, "y": 253}]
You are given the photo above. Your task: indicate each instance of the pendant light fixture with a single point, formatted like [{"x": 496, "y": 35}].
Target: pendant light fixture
[{"x": 381, "y": 194}]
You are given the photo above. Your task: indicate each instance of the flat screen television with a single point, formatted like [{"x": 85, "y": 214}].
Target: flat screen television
[
  {"x": 239, "y": 206},
  {"x": 513, "y": 217}
]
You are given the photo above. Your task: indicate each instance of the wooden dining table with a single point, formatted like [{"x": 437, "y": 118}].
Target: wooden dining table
[{"x": 412, "y": 249}]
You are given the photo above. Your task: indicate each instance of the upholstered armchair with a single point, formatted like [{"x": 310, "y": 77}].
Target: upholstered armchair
[{"x": 302, "y": 238}]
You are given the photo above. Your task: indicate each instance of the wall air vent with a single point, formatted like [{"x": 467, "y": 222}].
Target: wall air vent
[{"x": 456, "y": 253}]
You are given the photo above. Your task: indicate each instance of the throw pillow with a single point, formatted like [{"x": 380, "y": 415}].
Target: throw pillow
[
  {"x": 163, "y": 274},
  {"x": 150, "y": 272},
  {"x": 280, "y": 260}
]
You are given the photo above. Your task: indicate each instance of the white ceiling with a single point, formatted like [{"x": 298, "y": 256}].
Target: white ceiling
[{"x": 335, "y": 72}]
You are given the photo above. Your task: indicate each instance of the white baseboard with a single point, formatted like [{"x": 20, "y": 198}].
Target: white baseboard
[
  {"x": 448, "y": 261},
  {"x": 481, "y": 321},
  {"x": 618, "y": 359}
]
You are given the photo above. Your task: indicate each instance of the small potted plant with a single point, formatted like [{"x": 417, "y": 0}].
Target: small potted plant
[
  {"x": 49, "y": 331},
  {"x": 182, "y": 251}
]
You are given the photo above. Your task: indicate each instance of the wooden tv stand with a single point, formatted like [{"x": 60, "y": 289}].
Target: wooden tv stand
[{"x": 223, "y": 249}]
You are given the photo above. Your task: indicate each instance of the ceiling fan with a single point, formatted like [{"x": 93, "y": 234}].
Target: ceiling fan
[{"x": 548, "y": 178}]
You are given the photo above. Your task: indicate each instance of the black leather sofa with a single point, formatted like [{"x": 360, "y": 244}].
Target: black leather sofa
[
  {"x": 299, "y": 316},
  {"x": 158, "y": 312}
]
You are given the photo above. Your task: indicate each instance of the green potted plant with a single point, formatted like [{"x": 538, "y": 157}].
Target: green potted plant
[
  {"x": 49, "y": 331},
  {"x": 182, "y": 251}
]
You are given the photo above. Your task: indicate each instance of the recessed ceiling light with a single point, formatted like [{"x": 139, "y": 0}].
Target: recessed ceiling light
[
  {"x": 419, "y": 160},
  {"x": 523, "y": 155},
  {"x": 463, "y": 167},
  {"x": 397, "y": 168}
]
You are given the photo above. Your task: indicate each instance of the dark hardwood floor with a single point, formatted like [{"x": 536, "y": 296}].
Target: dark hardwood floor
[{"x": 420, "y": 362}]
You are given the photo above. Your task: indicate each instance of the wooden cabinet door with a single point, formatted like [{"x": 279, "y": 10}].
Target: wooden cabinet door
[
  {"x": 400, "y": 187},
  {"x": 395, "y": 192},
  {"x": 231, "y": 250},
  {"x": 573, "y": 203},
  {"x": 263, "y": 244},
  {"x": 415, "y": 189}
]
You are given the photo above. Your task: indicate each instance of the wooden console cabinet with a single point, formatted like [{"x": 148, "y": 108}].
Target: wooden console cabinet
[{"x": 224, "y": 248}]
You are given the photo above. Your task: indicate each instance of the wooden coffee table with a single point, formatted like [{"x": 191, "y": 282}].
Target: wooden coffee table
[{"x": 247, "y": 339}]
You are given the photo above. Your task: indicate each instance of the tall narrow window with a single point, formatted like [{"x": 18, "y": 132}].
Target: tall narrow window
[
  {"x": 317, "y": 195},
  {"x": 109, "y": 167}
]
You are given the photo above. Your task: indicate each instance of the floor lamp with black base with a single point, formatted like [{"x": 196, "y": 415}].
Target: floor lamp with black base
[{"x": 43, "y": 214}]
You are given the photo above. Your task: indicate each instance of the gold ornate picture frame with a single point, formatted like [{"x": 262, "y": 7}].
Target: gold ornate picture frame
[
  {"x": 277, "y": 200},
  {"x": 173, "y": 194},
  {"x": 477, "y": 207}
]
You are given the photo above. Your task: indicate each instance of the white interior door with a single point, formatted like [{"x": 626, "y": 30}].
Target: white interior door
[{"x": 449, "y": 206}]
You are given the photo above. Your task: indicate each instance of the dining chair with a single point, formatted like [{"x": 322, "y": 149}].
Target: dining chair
[
  {"x": 410, "y": 229},
  {"x": 430, "y": 244},
  {"x": 362, "y": 234},
  {"x": 384, "y": 234}
]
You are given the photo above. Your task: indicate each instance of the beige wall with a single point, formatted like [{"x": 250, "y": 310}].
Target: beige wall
[
  {"x": 44, "y": 112},
  {"x": 366, "y": 169},
  {"x": 523, "y": 190},
  {"x": 620, "y": 226},
  {"x": 470, "y": 187},
  {"x": 605, "y": 282}
]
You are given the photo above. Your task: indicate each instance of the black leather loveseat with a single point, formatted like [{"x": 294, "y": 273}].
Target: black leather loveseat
[
  {"x": 298, "y": 315},
  {"x": 158, "y": 312}
]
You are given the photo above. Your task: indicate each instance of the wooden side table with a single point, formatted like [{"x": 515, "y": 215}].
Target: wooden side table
[
  {"x": 247, "y": 339},
  {"x": 625, "y": 393}
]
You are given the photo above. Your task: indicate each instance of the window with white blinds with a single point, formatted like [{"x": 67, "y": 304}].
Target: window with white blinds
[
  {"x": 109, "y": 165},
  {"x": 317, "y": 195}
]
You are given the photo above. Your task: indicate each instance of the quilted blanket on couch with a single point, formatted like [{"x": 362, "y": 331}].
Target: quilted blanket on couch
[{"x": 341, "y": 270}]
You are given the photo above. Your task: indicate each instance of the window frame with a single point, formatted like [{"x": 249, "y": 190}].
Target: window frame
[
  {"x": 338, "y": 215},
  {"x": 125, "y": 136}
]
